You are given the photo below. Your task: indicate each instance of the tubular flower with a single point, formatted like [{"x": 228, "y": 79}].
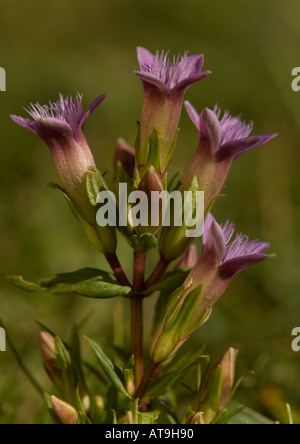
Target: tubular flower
[
  {"x": 222, "y": 140},
  {"x": 60, "y": 126},
  {"x": 222, "y": 258},
  {"x": 165, "y": 84}
]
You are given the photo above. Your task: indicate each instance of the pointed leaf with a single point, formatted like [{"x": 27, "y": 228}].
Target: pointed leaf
[
  {"x": 170, "y": 379},
  {"x": 107, "y": 366},
  {"x": 95, "y": 183},
  {"x": 247, "y": 416},
  {"x": 210, "y": 406}
]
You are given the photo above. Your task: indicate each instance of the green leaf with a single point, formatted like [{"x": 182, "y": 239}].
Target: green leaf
[
  {"x": 21, "y": 363},
  {"x": 176, "y": 322},
  {"x": 169, "y": 412},
  {"x": 144, "y": 243},
  {"x": 64, "y": 360},
  {"x": 148, "y": 418},
  {"x": 135, "y": 411},
  {"x": 64, "y": 363},
  {"x": 290, "y": 414},
  {"x": 170, "y": 379},
  {"x": 170, "y": 153},
  {"x": 188, "y": 358},
  {"x": 187, "y": 415},
  {"x": 210, "y": 406},
  {"x": 83, "y": 419},
  {"x": 154, "y": 151},
  {"x": 107, "y": 366},
  {"x": 247, "y": 416},
  {"x": 88, "y": 282},
  {"x": 170, "y": 281},
  {"x": 95, "y": 183},
  {"x": 49, "y": 406},
  {"x": 225, "y": 416},
  {"x": 174, "y": 183},
  {"x": 73, "y": 205}
]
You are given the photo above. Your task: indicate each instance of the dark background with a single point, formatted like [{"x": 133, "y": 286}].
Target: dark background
[{"x": 69, "y": 46}]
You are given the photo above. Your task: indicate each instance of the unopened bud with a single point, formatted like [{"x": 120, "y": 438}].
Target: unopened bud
[
  {"x": 125, "y": 157},
  {"x": 227, "y": 363},
  {"x": 47, "y": 348},
  {"x": 64, "y": 411}
]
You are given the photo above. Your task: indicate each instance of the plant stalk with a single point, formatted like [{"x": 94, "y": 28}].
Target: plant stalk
[
  {"x": 117, "y": 269},
  {"x": 148, "y": 376},
  {"x": 157, "y": 273},
  {"x": 137, "y": 323}
]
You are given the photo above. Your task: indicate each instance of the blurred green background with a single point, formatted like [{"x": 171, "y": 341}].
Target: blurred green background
[{"x": 69, "y": 46}]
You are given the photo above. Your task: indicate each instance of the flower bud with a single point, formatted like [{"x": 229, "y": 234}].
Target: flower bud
[
  {"x": 124, "y": 158},
  {"x": 64, "y": 411},
  {"x": 47, "y": 348},
  {"x": 227, "y": 363}
]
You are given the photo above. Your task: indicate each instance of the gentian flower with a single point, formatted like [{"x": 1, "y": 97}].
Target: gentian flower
[
  {"x": 222, "y": 140},
  {"x": 222, "y": 258},
  {"x": 60, "y": 126},
  {"x": 165, "y": 84}
]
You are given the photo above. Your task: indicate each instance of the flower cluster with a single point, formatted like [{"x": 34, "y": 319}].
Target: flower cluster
[{"x": 191, "y": 289}]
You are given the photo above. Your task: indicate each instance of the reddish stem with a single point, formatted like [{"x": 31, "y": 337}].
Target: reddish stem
[
  {"x": 137, "y": 326},
  {"x": 148, "y": 376},
  {"x": 157, "y": 273},
  {"x": 117, "y": 269}
]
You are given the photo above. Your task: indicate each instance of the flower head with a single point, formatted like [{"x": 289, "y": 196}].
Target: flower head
[
  {"x": 228, "y": 136},
  {"x": 170, "y": 77},
  {"x": 222, "y": 258},
  {"x": 60, "y": 126},
  {"x": 165, "y": 84},
  {"x": 221, "y": 140},
  {"x": 65, "y": 116},
  {"x": 232, "y": 256},
  {"x": 190, "y": 306}
]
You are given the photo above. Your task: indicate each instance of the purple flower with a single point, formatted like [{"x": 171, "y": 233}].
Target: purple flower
[
  {"x": 222, "y": 258},
  {"x": 170, "y": 77},
  {"x": 232, "y": 256},
  {"x": 228, "y": 136},
  {"x": 165, "y": 84},
  {"x": 60, "y": 126},
  {"x": 222, "y": 140},
  {"x": 190, "y": 306}
]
